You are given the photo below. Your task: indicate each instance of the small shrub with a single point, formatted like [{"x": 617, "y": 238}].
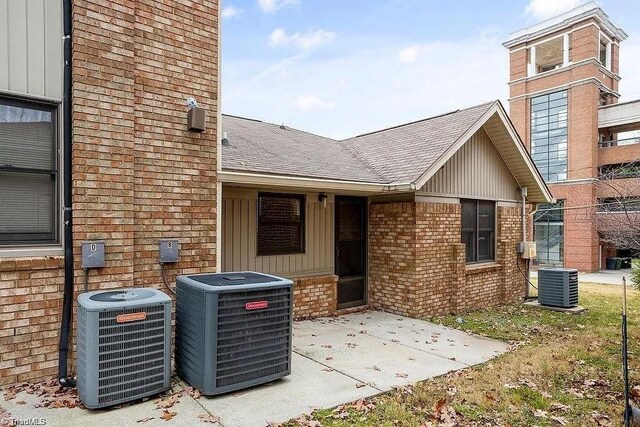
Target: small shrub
[{"x": 635, "y": 273}]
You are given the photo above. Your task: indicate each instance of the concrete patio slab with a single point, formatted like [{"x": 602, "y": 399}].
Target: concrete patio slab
[
  {"x": 571, "y": 310},
  {"x": 335, "y": 361},
  {"x": 425, "y": 336},
  {"x": 381, "y": 363},
  {"x": 310, "y": 386}
]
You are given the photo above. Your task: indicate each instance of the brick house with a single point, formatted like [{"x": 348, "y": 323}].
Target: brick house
[
  {"x": 418, "y": 219},
  {"x": 94, "y": 146},
  {"x": 564, "y": 76},
  {"x": 138, "y": 175}
]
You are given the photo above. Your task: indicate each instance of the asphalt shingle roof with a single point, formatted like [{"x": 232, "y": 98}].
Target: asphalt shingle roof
[{"x": 395, "y": 155}]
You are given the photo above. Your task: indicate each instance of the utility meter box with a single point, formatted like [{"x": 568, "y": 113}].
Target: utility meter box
[{"x": 527, "y": 250}]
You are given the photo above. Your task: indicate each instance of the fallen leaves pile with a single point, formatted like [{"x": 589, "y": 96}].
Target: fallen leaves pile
[
  {"x": 172, "y": 397},
  {"x": 49, "y": 393}
]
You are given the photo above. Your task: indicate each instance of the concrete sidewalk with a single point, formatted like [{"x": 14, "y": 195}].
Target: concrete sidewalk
[{"x": 335, "y": 360}]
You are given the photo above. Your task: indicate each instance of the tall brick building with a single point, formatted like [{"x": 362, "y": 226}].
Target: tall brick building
[
  {"x": 138, "y": 175},
  {"x": 564, "y": 75}
]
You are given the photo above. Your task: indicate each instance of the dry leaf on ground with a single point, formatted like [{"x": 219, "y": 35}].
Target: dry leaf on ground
[
  {"x": 208, "y": 418},
  {"x": 168, "y": 415}
]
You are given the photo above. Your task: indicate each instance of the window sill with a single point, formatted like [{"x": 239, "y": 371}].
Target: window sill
[
  {"x": 483, "y": 267},
  {"x": 31, "y": 252}
]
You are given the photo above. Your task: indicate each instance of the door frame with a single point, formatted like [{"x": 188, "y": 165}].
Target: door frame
[{"x": 365, "y": 242}]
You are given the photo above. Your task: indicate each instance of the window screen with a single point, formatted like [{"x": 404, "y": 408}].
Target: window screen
[
  {"x": 280, "y": 224},
  {"x": 28, "y": 173},
  {"x": 478, "y": 229}
]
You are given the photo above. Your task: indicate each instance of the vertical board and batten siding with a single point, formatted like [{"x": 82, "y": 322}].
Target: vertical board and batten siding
[
  {"x": 239, "y": 236},
  {"x": 31, "y": 58},
  {"x": 476, "y": 170}
]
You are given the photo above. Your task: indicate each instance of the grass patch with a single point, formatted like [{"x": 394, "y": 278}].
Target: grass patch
[{"x": 563, "y": 369}]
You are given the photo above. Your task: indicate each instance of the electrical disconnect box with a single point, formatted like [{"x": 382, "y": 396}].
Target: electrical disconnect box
[
  {"x": 92, "y": 255},
  {"x": 169, "y": 249},
  {"x": 527, "y": 250}
]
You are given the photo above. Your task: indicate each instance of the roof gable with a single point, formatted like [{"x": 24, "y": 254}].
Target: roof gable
[{"x": 476, "y": 170}]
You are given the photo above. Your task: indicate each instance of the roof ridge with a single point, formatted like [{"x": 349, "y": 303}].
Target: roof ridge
[
  {"x": 285, "y": 127},
  {"x": 420, "y": 120},
  {"x": 242, "y": 117}
]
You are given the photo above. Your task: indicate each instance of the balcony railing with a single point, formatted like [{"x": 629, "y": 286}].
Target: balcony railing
[{"x": 619, "y": 142}]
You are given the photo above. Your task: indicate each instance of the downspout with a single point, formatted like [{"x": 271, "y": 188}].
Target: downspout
[
  {"x": 67, "y": 302},
  {"x": 523, "y": 193}
]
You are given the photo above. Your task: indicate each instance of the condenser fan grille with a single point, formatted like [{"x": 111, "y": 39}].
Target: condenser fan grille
[
  {"x": 130, "y": 354},
  {"x": 252, "y": 344}
]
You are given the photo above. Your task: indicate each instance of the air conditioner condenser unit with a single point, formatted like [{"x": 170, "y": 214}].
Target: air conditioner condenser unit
[
  {"x": 558, "y": 287},
  {"x": 124, "y": 345},
  {"x": 233, "y": 330}
]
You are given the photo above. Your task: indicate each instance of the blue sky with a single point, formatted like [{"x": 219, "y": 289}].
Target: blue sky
[{"x": 341, "y": 68}]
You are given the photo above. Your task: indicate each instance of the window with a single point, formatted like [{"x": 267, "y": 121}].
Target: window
[
  {"x": 478, "y": 229},
  {"x": 280, "y": 224},
  {"x": 549, "y": 135},
  {"x": 548, "y": 55},
  {"x": 604, "y": 54},
  {"x": 548, "y": 231},
  {"x": 28, "y": 173}
]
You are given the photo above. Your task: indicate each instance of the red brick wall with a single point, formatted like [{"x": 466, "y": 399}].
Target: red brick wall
[
  {"x": 392, "y": 257},
  {"x": 314, "y": 296},
  {"x": 417, "y": 263},
  {"x": 30, "y": 306},
  {"x": 438, "y": 231},
  {"x": 581, "y": 242},
  {"x": 138, "y": 174}
]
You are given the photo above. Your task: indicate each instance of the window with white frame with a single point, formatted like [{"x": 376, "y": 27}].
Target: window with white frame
[
  {"x": 28, "y": 173},
  {"x": 604, "y": 53},
  {"x": 548, "y": 55}
]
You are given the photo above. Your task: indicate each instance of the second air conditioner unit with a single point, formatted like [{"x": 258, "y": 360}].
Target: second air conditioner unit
[
  {"x": 558, "y": 287},
  {"x": 233, "y": 330}
]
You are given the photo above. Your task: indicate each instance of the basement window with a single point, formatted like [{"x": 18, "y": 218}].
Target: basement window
[
  {"x": 478, "y": 230},
  {"x": 280, "y": 224},
  {"x": 28, "y": 173}
]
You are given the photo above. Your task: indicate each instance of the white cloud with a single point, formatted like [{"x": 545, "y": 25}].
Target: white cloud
[
  {"x": 303, "y": 41},
  {"x": 367, "y": 88},
  {"x": 312, "y": 102},
  {"x": 231, "y": 11},
  {"x": 270, "y": 6},
  {"x": 630, "y": 68},
  {"x": 543, "y": 9},
  {"x": 409, "y": 55}
]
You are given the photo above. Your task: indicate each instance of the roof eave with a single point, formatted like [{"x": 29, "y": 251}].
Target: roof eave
[
  {"x": 546, "y": 193},
  {"x": 318, "y": 184}
]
